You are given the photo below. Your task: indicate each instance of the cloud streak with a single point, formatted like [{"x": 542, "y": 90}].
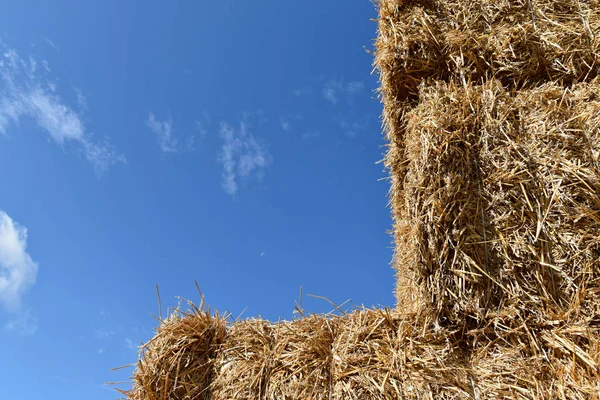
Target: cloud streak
[
  {"x": 169, "y": 142},
  {"x": 130, "y": 344},
  {"x": 353, "y": 128},
  {"x": 241, "y": 155},
  {"x": 285, "y": 124},
  {"x": 286, "y": 121},
  {"x": 335, "y": 89},
  {"x": 164, "y": 133},
  {"x": 26, "y": 93},
  {"x": 310, "y": 135}
]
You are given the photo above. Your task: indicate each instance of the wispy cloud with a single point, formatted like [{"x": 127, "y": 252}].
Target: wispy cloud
[
  {"x": 310, "y": 135},
  {"x": 353, "y": 128},
  {"x": 129, "y": 344},
  {"x": 257, "y": 116},
  {"x": 202, "y": 124},
  {"x": 27, "y": 93},
  {"x": 286, "y": 121},
  {"x": 335, "y": 89},
  {"x": 164, "y": 133},
  {"x": 241, "y": 155},
  {"x": 81, "y": 100},
  {"x": 18, "y": 273},
  {"x": 103, "y": 333},
  {"x": 51, "y": 44},
  {"x": 169, "y": 142}
]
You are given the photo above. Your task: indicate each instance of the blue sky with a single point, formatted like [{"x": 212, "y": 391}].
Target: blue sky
[{"x": 229, "y": 142}]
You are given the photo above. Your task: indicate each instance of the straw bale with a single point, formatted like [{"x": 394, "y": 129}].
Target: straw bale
[
  {"x": 499, "y": 206},
  {"x": 522, "y": 43},
  {"x": 303, "y": 359},
  {"x": 546, "y": 363},
  {"x": 179, "y": 362},
  {"x": 382, "y": 354},
  {"x": 245, "y": 361}
]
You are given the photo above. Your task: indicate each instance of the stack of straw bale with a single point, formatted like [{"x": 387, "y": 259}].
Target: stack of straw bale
[
  {"x": 367, "y": 354},
  {"x": 492, "y": 114},
  {"x": 492, "y": 111}
]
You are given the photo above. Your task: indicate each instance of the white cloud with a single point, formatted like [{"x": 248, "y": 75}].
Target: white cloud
[
  {"x": 202, "y": 124},
  {"x": 335, "y": 89},
  {"x": 286, "y": 121},
  {"x": 354, "y": 87},
  {"x": 26, "y": 93},
  {"x": 257, "y": 116},
  {"x": 18, "y": 271},
  {"x": 130, "y": 345},
  {"x": 102, "y": 156},
  {"x": 81, "y": 100},
  {"x": 330, "y": 93},
  {"x": 164, "y": 134},
  {"x": 60, "y": 121},
  {"x": 51, "y": 43},
  {"x": 241, "y": 155},
  {"x": 310, "y": 135},
  {"x": 353, "y": 128},
  {"x": 169, "y": 142},
  {"x": 24, "y": 324}
]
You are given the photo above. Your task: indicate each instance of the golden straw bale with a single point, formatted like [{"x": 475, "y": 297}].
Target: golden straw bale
[
  {"x": 245, "y": 361},
  {"x": 179, "y": 362},
  {"x": 499, "y": 206},
  {"x": 382, "y": 354},
  {"x": 522, "y": 43},
  {"x": 303, "y": 358}
]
